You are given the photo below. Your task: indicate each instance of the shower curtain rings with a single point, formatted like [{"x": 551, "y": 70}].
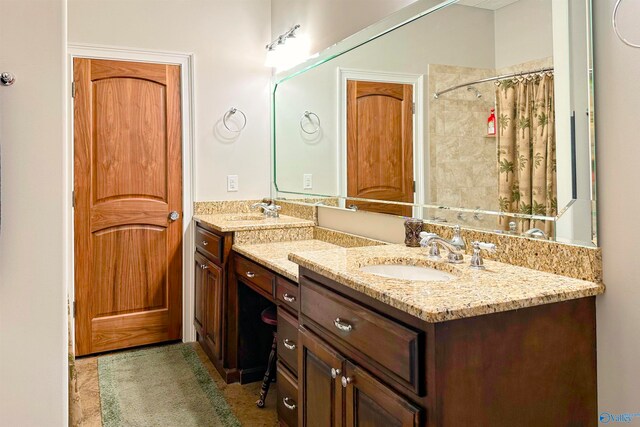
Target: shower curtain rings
[{"x": 230, "y": 113}]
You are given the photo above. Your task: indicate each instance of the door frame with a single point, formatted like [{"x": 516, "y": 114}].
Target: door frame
[
  {"x": 187, "y": 91},
  {"x": 417, "y": 80}
]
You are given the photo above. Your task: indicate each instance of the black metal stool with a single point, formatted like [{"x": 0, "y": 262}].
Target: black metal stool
[{"x": 270, "y": 317}]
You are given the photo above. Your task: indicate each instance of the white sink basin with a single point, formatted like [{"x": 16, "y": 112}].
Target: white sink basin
[{"x": 408, "y": 272}]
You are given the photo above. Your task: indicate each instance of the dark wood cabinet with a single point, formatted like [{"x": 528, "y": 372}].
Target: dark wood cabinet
[
  {"x": 368, "y": 402},
  {"x": 212, "y": 284},
  {"x": 208, "y": 292},
  {"x": 319, "y": 387},
  {"x": 528, "y": 367},
  {"x": 210, "y": 295}
]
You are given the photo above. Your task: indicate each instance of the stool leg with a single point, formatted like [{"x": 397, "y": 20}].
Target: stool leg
[{"x": 269, "y": 374}]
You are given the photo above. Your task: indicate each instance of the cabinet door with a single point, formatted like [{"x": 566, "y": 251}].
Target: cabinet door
[
  {"x": 213, "y": 308},
  {"x": 199, "y": 290},
  {"x": 370, "y": 403},
  {"x": 320, "y": 392}
]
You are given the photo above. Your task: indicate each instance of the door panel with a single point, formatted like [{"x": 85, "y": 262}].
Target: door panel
[
  {"x": 380, "y": 145},
  {"x": 213, "y": 308},
  {"x": 320, "y": 394},
  {"x": 369, "y": 403},
  {"x": 199, "y": 294},
  {"x": 127, "y": 179}
]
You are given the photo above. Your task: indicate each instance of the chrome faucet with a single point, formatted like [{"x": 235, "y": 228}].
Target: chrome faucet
[
  {"x": 476, "y": 259},
  {"x": 457, "y": 239},
  {"x": 432, "y": 241},
  {"x": 270, "y": 210}
]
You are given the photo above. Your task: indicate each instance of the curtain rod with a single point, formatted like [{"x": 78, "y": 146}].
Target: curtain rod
[{"x": 490, "y": 79}]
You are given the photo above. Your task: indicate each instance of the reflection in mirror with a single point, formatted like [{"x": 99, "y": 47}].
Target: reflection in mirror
[{"x": 472, "y": 114}]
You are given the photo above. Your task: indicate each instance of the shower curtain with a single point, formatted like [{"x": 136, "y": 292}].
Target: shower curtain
[{"x": 527, "y": 151}]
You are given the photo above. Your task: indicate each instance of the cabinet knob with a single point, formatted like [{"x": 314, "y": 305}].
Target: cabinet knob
[
  {"x": 342, "y": 325},
  {"x": 290, "y": 345},
  {"x": 335, "y": 372},
  {"x": 205, "y": 243},
  {"x": 288, "y": 298},
  {"x": 289, "y": 403},
  {"x": 204, "y": 266},
  {"x": 251, "y": 274},
  {"x": 346, "y": 381}
]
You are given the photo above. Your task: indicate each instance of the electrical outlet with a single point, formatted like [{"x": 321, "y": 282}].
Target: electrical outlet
[
  {"x": 307, "y": 181},
  {"x": 232, "y": 183}
]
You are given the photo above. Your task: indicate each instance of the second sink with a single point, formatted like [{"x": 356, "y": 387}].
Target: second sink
[{"x": 408, "y": 272}]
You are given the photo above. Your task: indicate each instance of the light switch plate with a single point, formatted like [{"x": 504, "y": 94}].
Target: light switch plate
[
  {"x": 307, "y": 181},
  {"x": 232, "y": 183}
]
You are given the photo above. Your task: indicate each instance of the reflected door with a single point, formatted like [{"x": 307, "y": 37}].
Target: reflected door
[
  {"x": 380, "y": 145},
  {"x": 127, "y": 181}
]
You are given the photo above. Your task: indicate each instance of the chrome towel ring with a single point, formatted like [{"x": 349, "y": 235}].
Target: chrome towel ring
[
  {"x": 307, "y": 115},
  {"x": 7, "y": 79},
  {"x": 230, "y": 113},
  {"x": 614, "y": 21}
]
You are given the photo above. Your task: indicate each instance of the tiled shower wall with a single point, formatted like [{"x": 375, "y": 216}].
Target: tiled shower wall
[
  {"x": 462, "y": 158},
  {"x": 462, "y": 166}
]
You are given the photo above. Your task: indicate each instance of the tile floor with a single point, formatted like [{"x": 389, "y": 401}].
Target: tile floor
[{"x": 241, "y": 398}]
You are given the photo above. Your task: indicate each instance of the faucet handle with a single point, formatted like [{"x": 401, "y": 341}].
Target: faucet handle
[
  {"x": 426, "y": 239},
  {"x": 476, "y": 259}
]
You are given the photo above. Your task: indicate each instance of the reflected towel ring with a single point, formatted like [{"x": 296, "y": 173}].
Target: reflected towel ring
[
  {"x": 614, "y": 21},
  {"x": 307, "y": 115},
  {"x": 230, "y": 113}
]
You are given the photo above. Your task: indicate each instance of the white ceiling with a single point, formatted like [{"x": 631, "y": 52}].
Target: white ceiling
[{"x": 487, "y": 4}]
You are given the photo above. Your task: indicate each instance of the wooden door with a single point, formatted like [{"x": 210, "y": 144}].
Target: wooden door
[
  {"x": 212, "y": 280},
  {"x": 319, "y": 393},
  {"x": 380, "y": 145},
  {"x": 127, "y": 180},
  {"x": 369, "y": 403}
]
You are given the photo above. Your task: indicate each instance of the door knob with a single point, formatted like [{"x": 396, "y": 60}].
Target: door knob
[
  {"x": 174, "y": 215},
  {"x": 335, "y": 372},
  {"x": 7, "y": 79},
  {"x": 346, "y": 381}
]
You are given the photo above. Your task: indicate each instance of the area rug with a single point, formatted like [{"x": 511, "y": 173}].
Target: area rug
[{"x": 160, "y": 386}]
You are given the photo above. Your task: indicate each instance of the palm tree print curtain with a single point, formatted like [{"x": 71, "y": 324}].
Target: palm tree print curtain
[{"x": 527, "y": 150}]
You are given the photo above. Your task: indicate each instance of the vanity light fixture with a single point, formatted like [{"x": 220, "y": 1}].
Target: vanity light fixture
[{"x": 288, "y": 49}]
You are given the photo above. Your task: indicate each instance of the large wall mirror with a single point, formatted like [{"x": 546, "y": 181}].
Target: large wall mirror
[{"x": 475, "y": 112}]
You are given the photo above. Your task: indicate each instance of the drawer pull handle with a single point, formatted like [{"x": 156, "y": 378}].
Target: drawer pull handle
[
  {"x": 343, "y": 326},
  {"x": 251, "y": 274},
  {"x": 205, "y": 243},
  {"x": 335, "y": 372},
  {"x": 346, "y": 381},
  {"x": 290, "y": 406},
  {"x": 204, "y": 266},
  {"x": 290, "y": 345},
  {"x": 288, "y": 298}
]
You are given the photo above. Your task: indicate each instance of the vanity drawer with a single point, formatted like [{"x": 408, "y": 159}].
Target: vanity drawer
[
  {"x": 287, "y": 294},
  {"x": 287, "y": 397},
  {"x": 288, "y": 340},
  {"x": 209, "y": 244},
  {"x": 385, "y": 343},
  {"x": 261, "y": 278}
]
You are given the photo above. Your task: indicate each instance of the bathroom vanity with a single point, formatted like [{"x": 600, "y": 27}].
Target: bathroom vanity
[
  {"x": 503, "y": 346},
  {"x": 362, "y": 361}
]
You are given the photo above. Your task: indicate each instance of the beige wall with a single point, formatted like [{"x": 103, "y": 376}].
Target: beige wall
[
  {"x": 33, "y": 328},
  {"x": 618, "y": 153},
  {"x": 329, "y": 21},
  {"x": 227, "y": 39},
  {"x": 523, "y": 32}
]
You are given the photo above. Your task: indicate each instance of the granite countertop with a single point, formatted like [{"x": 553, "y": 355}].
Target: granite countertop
[
  {"x": 501, "y": 287},
  {"x": 226, "y": 222},
  {"x": 275, "y": 255}
]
